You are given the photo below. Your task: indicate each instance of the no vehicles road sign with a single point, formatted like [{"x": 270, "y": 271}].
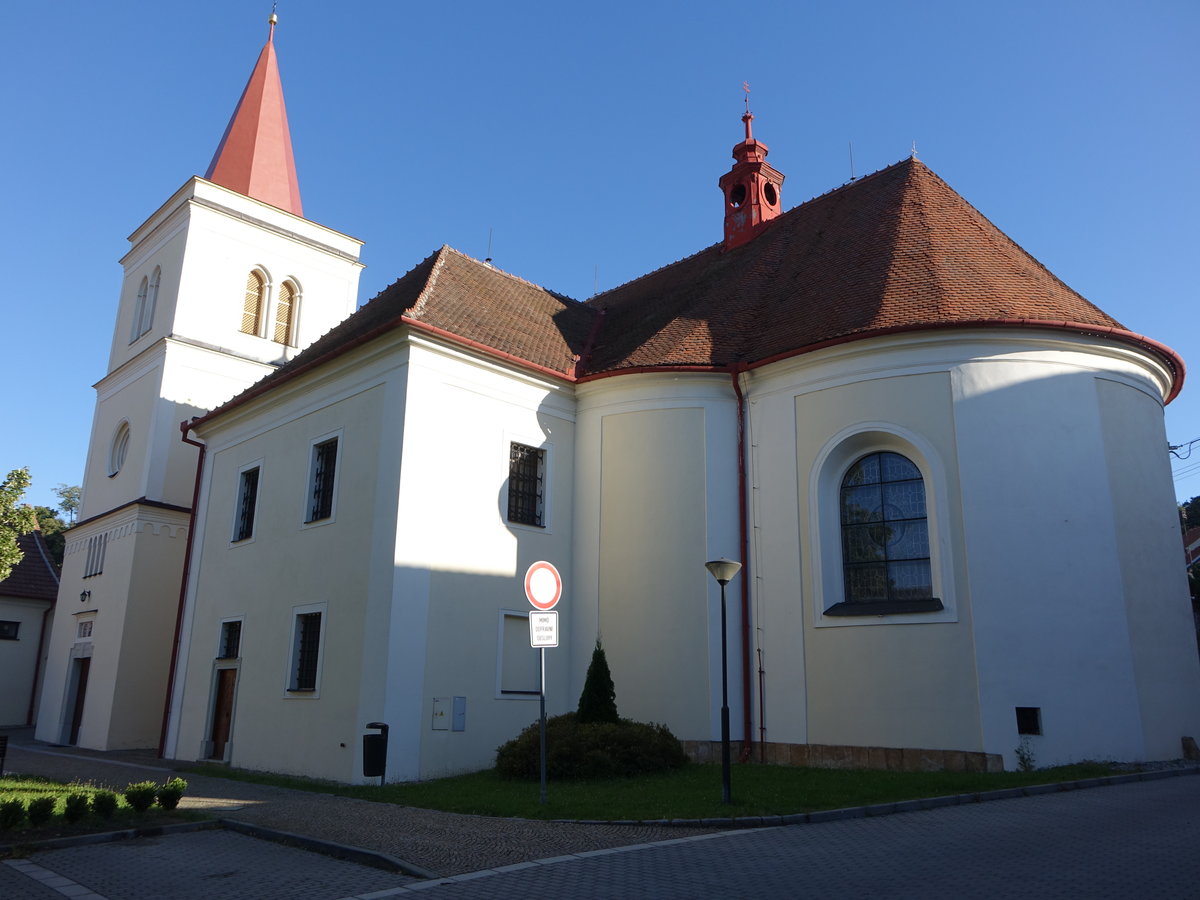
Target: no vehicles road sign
[
  {"x": 543, "y": 585},
  {"x": 543, "y": 629}
]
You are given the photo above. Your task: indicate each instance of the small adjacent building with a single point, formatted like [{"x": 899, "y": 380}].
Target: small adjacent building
[{"x": 27, "y": 598}]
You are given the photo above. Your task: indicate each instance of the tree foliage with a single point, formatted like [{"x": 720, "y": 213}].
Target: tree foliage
[
  {"x": 598, "y": 701},
  {"x": 53, "y": 532},
  {"x": 15, "y": 519},
  {"x": 68, "y": 500}
]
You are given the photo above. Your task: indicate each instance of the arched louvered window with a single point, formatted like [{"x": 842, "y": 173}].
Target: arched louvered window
[
  {"x": 139, "y": 311},
  {"x": 256, "y": 301},
  {"x": 285, "y": 314},
  {"x": 147, "y": 318}
]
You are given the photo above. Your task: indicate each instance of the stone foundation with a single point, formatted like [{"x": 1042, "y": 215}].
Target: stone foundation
[{"x": 840, "y": 756}]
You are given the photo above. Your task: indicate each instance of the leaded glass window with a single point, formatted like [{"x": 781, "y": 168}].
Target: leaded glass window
[{"x": 885, "y": 538}]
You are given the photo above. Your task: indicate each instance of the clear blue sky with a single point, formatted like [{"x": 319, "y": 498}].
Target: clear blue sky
[{"x": 587, "y": 138}]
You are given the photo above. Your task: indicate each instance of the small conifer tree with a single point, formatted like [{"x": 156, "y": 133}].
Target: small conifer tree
[{"x": 598, "y": 702}]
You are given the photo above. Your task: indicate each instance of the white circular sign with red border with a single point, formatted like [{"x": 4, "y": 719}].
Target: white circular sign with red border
[{"x": 543, "y": 585}]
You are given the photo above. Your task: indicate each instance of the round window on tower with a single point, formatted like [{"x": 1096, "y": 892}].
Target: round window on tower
[
  {"x": 118, "y": 449},
  {"x": 770, "y": 194},
  {"x": 737, "y": 195}
]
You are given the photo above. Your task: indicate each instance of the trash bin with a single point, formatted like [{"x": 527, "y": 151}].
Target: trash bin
[{"x": 375, "y": 752}]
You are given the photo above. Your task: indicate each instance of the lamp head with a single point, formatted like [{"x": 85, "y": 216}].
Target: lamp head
[{"x": 723, "y": 570}]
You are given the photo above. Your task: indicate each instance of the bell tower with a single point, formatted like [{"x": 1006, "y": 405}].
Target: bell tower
[
  {"x": 751, "y": 188},
  {"x": 222, "y": 283}
]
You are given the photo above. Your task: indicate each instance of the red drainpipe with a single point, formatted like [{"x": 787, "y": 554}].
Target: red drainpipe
[
  {"x": 184, "y": 427},
  {"x": 743, "y": 539}
]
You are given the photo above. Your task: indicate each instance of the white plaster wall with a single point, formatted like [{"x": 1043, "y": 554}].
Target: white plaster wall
[
  {"x": 1157, "y": 603},
  {"x": 286, "y": 565},
  {"x": 656, "y": 497},
  {"x": 1051, "y": 624},
  {"x": 459, "y": 562}
]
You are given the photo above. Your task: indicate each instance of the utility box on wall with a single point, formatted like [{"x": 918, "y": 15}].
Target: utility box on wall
[{"x": 459, "y": 721}]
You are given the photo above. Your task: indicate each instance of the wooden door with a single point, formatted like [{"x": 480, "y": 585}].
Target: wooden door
[
  {"x": 222, "y": 711},
  {"x": 82, "y": 666}
]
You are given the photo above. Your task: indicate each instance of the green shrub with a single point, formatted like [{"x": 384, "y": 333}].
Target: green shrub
[
  {"x": 104, "y": 804},
  {"x": 12, "y": 813},
  {"x": 598, "y": 700},
  {"x": 577, "y": 749},
  {"x": 171, "y": 792},
  {"x": 41, "y": 810},
  {"x": 76, "y": 807},
  {"x": 140, "y": 795}
]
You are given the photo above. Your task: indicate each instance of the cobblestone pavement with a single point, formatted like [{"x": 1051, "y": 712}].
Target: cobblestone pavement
[{"x": 1128, "y": 840}]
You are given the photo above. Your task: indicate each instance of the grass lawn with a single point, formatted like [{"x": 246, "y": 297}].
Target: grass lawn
[
  {"x": 690, "y": 793},
  {"x": 26, "y": 788}
]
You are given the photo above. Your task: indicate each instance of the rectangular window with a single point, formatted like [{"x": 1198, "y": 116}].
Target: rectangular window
[
  {"x": 231, "y": 640},
  {"x": 247, "y": 504},
  {"x": 324, "y": 468},
  {"x": 526, "y": 485},
  {"x": 306, "y": 650},
  {"x": 96, "y": 546},
  {"x": 85, "y": 629},
  {"x": 8, "y": 630},
  {"x": 520, "y": 664}
]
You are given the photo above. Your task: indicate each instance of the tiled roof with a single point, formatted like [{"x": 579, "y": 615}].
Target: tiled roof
[
  {"x": 897, "y": 249},
  {"x": 34, "y": 577}
]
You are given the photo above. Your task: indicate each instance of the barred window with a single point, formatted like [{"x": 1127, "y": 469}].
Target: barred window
[
  {"x": 255, "y": 300},
  {"x": 306, "y": 651},
  {"x": 324, "y": 470},
  {"x": 247, "y": 505},
  {"x": 526, "y": 485},
  {"x": 885, "y": 538},
  {"x": 285, "y": 314},
  {"x": 231, "y": 639}
]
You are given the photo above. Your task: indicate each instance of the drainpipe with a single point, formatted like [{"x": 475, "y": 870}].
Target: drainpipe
[
  {"x": 39, "y": 663},
  {"x": 743, "y": 539},
  {"x": 184, "y": 427}
]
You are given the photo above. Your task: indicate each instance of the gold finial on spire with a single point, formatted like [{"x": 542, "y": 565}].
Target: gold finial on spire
[{"x": 273, "y": 20}]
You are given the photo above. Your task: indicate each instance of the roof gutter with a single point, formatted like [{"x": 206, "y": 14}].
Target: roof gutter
[
  {"x": 1173, "y": 360},
  {"x": 735, "y": 373}
]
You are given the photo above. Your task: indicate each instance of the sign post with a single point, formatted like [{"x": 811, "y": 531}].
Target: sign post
[{"x": 543, "y": 588}]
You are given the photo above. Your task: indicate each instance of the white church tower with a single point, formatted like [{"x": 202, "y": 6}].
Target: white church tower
[{"x": 225, "y": 281}]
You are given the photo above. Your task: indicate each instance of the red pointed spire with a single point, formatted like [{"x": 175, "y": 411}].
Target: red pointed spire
[
  {"x": 255, "y": 154},
  {"x": 751, "y": 187}
]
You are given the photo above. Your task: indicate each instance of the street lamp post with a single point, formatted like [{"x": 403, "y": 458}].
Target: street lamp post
[{"x": 723, "y": 570}]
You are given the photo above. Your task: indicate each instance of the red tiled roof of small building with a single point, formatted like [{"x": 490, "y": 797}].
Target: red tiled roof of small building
[{"x": 34, "y": 577}]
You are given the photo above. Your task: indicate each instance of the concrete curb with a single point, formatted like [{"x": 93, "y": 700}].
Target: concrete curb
[{"x": 358, "y": 855}]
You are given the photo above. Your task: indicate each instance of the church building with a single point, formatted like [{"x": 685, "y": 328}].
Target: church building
[{"x": 873, "y": 401}]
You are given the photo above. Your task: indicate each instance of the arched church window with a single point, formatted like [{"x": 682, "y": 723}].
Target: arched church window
[
  {"x": 139, "y": 311},
  {"x": 118, "y": 449},
  {"x": 885, "y": 538},
  {"x": 255, "y": 303},
  {"x": 285, "y": 314}
]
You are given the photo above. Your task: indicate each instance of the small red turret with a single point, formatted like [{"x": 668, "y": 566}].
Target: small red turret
[{"x": 751, "y": 188}]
